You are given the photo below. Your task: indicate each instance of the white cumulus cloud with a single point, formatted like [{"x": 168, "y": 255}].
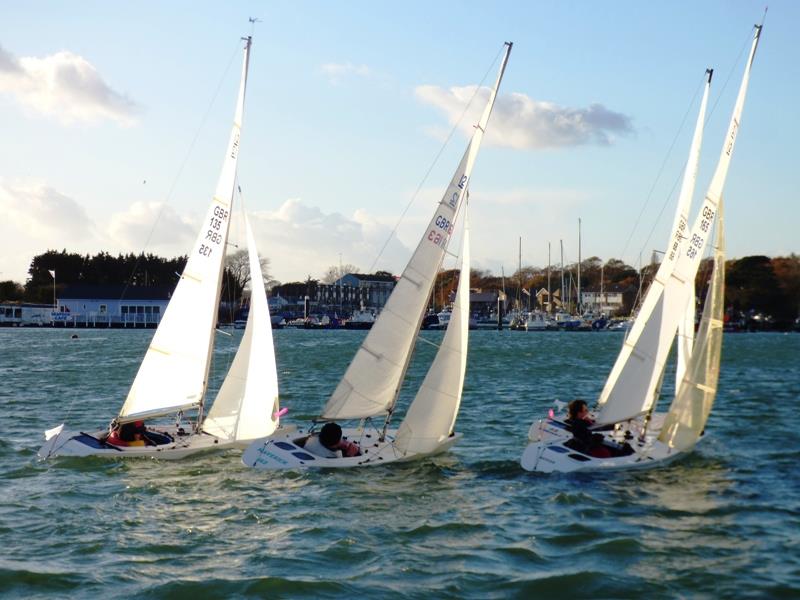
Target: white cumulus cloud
[
  {"x": 338, "y": 71},
  {"x": 45, "y": 214},
  {"x": 302, "y": 240},
  {"x": 63, "y": 86},
  {"x": 151, "y": 223},
  {"x": 519, "y": 121}
]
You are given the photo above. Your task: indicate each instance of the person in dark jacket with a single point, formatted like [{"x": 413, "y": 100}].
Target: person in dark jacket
[{"x": 583, "y": 440}]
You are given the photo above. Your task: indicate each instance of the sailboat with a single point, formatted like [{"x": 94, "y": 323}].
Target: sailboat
[
  {"x": 173, "y": 377},
  {"x": 371, "y": 385},
  {"x": 633, "y": 435}
]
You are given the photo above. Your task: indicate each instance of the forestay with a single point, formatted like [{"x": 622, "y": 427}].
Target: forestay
[
  {"x": 630, "y": 389},
  {"x": 689, "y": 411},
  {"x": 432, "y": 414},
  {"x": 174, "y": 373},
  {"x": 372, "y": 381},
  {"x": 244, "y": 406}
]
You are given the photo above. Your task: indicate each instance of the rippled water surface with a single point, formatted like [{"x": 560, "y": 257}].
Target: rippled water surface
[{"x": 722, "y": 522}]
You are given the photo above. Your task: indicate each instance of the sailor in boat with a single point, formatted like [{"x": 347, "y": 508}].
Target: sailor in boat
[
  {"x": 330, "y": 444},
  {"x": 584, "y": 439},
  {"x": 135, "y": 434}
]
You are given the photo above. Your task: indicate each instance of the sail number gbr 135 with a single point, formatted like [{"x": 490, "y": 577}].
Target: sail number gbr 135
[{"x": 214, "y": 234}]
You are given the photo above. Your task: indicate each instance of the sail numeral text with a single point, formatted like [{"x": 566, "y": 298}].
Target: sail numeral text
[
  {"x": 678, "y": 237},
  {"x": 697, "y": 241},
  {"x": 235, "y": 147},
  {"x": 443, "y": 223},
  {"x": 732, "y": 137},
  {"x": 437, "y": 237},
  {"x": 463, "y": 181},
  {"x": 454, "y": 199},
  {"x": 213, "y": 235}
]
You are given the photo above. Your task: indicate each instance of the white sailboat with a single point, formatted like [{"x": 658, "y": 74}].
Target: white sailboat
[
  {"x": 626, "y": 404},
  {"x": 371, "y": 385},
  {"x": 173, "y": 376}
]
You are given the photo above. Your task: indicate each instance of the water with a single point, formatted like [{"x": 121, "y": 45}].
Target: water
[{"x": 722, "y": 522}]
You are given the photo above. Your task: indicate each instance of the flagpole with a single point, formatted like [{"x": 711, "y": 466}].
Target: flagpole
[{"x": 53, "y": 275}]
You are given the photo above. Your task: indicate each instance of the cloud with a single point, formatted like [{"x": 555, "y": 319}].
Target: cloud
[
  {"x": 521, "y": 122},
  {"x": 63, "y": 86},
  {"x": 162, "y": 226},
  {"x": 338, "y": 71},
  {"x": 302, "y": 240},
  {"x": 38, "y": 217},
  {"x": 45, "y": 214}
]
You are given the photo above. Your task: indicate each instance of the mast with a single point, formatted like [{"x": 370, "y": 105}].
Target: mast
[
  {"x": 234, "y": 153},
  {"x": 519, "y": 279},
  {"x": 549, "y": 297},
  {"x": 578, "y": 300},
  {"x": 562, "y": 273},
  {"x": 602, "y": 300}
]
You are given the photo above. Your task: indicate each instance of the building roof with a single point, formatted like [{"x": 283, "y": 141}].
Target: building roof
[
  {"x": 367, "y": 277},
  {"x": 87, "y": 291},
  {"x": 483, "y": 297},
  {"x": 609, "y": 289}
]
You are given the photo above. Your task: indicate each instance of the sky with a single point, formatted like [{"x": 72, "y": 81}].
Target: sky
[{"x": 115, "y": 117}]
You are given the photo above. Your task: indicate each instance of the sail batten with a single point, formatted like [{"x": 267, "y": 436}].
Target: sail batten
[{"x": 369, "y": 386}]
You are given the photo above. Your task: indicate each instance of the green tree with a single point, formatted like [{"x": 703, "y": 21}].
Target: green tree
[{"x": 11, "y": 291}]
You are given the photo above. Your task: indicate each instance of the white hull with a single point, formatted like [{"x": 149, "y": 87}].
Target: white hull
[
  {"x": 283, "y": 452},
  {"x": 549, "y": 449},
  {"x": 77, "y": 443}
]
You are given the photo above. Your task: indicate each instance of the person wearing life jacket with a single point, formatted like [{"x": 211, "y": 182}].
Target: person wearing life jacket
[
  {"x": 330, "y": 444},
  {"x": 128, "y": 434}
]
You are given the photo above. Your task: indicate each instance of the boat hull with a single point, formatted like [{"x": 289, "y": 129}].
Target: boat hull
[
  {"x": 283, "y": 452},
  {"x": 80, "y": 444},
  {"x": 555, "y": 457},
  {"x": 549, "y": 447}
]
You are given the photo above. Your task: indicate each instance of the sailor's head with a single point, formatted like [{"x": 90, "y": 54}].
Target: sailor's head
[
  {"x": 577, "y": 409},
  {"x": 330, "y": 435}
]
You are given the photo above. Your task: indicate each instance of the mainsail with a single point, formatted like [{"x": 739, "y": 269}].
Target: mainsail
[
  {"x": 689, "y": 411},
  {"x": 243, "y": 408},
  {"x": 372, "y": 381},
  {"x": 631, "y": 388},
  {"x": 174, "y": 373},
  {"x": 432, "y": 414}
]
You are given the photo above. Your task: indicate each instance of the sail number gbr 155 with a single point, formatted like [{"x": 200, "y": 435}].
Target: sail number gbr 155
[
  {"x": 697, "y": 242},
  {"x": 440, "y": 235},
  {"x": 214, "y": 234}
]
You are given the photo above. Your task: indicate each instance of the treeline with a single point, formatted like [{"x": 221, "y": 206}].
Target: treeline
[
  {"x": 103, "y": 269},
  {"x": 757, "y": 288}
]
